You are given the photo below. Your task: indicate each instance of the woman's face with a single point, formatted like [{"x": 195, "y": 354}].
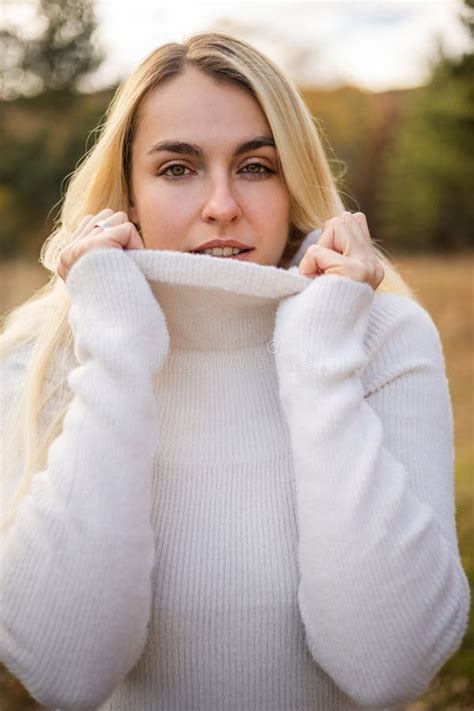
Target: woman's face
[{"x": 181, "y": 199}]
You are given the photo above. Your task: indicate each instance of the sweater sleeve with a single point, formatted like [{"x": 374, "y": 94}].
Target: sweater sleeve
[
  {"x": 383, "y": 596},
  {"x": 76, "y": 562}
]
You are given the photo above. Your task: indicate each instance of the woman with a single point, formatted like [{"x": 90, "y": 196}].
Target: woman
[{"x": 241, "y": 493}]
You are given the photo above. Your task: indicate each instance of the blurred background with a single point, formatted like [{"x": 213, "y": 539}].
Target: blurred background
[{"x": 390, "y": 86}]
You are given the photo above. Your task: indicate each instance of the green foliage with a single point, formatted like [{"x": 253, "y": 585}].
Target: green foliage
[
  {"x": 41, "y": 143},
  {"x": 56, "y": 58},
  {"x": 44, "y": 130},
  {"x": 425, "y": 192},
  {"x": 356, "y": 127},
  {"x": 402, "y": 157}
]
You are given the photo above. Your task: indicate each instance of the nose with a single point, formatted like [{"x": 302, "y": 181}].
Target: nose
[{"x": 220, "y": 204}]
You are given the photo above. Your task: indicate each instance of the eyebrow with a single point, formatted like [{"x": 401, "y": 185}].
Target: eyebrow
[{"x": 192, "y": 150}]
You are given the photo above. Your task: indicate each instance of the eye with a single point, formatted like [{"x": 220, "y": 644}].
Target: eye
[
  {"x": 254, "y": 173},
  {"x": 174, "y": 176},
  {"x": 259, "y": 173}
]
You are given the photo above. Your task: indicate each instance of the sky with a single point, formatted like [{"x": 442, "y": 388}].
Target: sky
[{"x": 375, "y": 45}]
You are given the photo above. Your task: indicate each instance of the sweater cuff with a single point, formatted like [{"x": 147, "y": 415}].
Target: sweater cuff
[
  {"x": 109, "y": 293},
  {"x": 108, "y": 281},
  {"x": 322, "y": 329}
]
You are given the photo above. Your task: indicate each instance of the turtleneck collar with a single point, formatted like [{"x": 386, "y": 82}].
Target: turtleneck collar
[{"x": 216, "y": 304}]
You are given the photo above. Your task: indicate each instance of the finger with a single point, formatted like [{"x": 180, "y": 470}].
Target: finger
[
  {"x": 135, "y": 240},
  {"x": 89, "y": 220},
  {"x": 339, "y": 234},
  {"x": 110, "y": 216},
  {"x": 104, "y": 214},
  {"x": 70, "y": 253},
  {"x": 340, "y": 237},
  {"x": 70, "y": 256},
  {"x": 114, "y": 218},
  {"x": 326, "y": 238},
  {"x": 361, "y": 221},
  {"x": 124, "y": 234},
  {"x": 365, "y": 228},
  {"x": 360, "y": 236},
  {"x": 317, "y": 259},
  {"x": 329, "y": 262},
  {"x": 85, "y": 221}
]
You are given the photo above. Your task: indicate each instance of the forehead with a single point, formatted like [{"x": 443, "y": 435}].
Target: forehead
[{"x": 194, "y": 104}]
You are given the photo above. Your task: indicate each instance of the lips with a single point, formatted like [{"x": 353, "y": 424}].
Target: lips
[
  {"x": 241, "y": 257},
  {"x": 244, "y": 255},
  {"x": 221, "y": 243}
]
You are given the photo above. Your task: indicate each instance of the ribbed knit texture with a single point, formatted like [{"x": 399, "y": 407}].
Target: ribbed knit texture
[{"x": 251, "y": 504}]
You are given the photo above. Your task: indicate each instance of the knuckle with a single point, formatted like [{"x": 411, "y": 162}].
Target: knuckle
[
  {"x": 79, "y": 248},
  {"x": 95, "y": 230},
  {"x": 64, "y": 255},
  {"x": 84, "y": 222},
  {"x": 362, "y": 271},
  {"x": 376, "y": 267}
]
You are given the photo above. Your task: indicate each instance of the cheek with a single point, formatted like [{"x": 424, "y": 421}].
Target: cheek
[
  {"x": 161, "y": 207},
  {"x": 275, "y": 210},
  {"x": 155, "y": 193}
]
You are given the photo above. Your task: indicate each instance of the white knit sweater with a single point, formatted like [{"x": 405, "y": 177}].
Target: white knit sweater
[{"x": 251, "y": 503}]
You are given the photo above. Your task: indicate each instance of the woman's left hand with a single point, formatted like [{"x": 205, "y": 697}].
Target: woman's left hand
[{"x": 344, "y": 248}]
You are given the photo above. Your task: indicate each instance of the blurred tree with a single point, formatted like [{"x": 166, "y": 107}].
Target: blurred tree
[
  {"x": 400, "y": 156},
  {"x": 41, "y": 73},
  {"x": 426, "y": 186},
  {"x": 54, "y": 59},
  {"x": 38, "y": 153},
  {"x": 355, "y": 127}
]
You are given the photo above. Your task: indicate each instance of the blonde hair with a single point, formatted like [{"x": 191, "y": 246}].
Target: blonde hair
[{"x": 102, "y": 179}]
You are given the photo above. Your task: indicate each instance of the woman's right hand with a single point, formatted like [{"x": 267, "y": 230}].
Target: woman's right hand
[{"x": 122, "y": 235}]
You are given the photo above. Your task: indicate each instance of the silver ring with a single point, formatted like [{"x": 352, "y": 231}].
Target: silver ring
[{"x": 103, "y": 224}]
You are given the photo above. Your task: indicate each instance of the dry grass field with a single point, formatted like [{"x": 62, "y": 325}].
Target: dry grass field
[{"x": 445, "y": 287}]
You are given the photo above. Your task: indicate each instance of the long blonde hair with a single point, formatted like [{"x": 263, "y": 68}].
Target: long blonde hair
[{"x": 102, "y": 180}]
